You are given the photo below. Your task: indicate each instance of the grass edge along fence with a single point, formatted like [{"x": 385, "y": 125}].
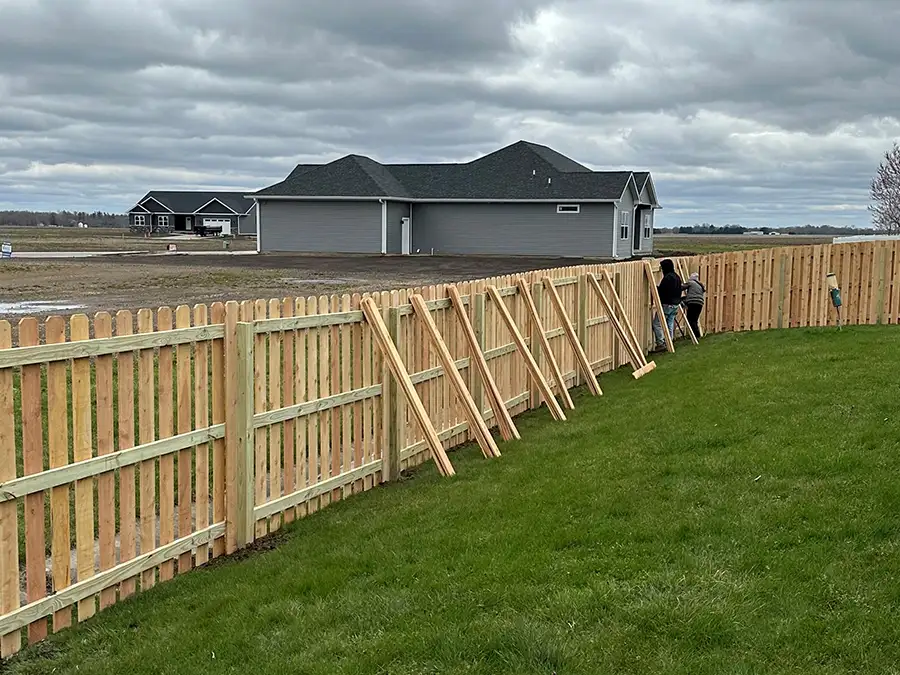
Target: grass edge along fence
[{"x": 209, "y": 427}]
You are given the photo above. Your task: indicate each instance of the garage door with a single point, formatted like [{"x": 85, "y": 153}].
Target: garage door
[{"x": 224, "y": 223}]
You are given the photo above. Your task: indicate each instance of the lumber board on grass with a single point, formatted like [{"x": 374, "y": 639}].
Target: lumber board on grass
[
  {"x": 544, "y": 342},
  {"x": 580, "y": 356},
  {"x": 522, "y": 348},
  {"x": 482, "y": 434},
  {"x": 392, "y": 356},
  {"x": 505, "y": 422}
]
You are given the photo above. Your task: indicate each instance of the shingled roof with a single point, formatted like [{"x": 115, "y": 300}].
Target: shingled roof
[
  {"x": 190, "y": 201},
  {"x": 521, "y": 171}
]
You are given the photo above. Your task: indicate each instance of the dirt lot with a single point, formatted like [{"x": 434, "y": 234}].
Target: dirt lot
[
  {"x": 152, "y": 278},
  {"x": 132, "y": 282},
  {"x": 32, "y": 239}
]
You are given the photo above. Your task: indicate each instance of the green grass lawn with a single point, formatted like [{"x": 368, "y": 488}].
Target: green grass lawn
[{"x": 735, "y": 511}]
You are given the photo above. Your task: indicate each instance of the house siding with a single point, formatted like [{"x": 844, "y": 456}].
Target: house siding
[
  {"x": 646, "y": 243},
  {"x": 395, "y": 212},
  {"x": 247, "y": 224},
  {"x": 513, "y": 229},
  {"x": 320, "y": 226},
  {"x": 624, "y": 245}
]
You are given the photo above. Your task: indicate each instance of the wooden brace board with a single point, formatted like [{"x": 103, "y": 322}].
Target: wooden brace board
[
  {"x": 657, "y": 304},
  {"x": 395, "y": 363},
  {"x": 580, "y": 355},
  {"x": 639, "y": 364},
  {"x": 545, "y": 343},
  {"x": 683, "y": 269},
  {"x": 624, "y": 321},
  {"x": 479, "y": 428},
  {"x": 504, "y": 421},
  {"x": 519, "y": 341}
]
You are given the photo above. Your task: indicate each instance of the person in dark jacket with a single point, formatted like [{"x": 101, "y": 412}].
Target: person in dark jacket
[
  {"x": 670, "y": 295},
  {"x": 695, "y": 293}
]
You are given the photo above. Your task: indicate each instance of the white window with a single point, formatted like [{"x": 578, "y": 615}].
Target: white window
[
  {"x": 623, "y": 224},
  {"x": 568, "y": 208},
  {"x": 139, "y": 221},
  {"x": 648, "y": 227},
  {"x": 162, "y": 221}
]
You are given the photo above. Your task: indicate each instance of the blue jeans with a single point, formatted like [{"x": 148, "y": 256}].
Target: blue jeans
[{"x": 670, "y": 311}]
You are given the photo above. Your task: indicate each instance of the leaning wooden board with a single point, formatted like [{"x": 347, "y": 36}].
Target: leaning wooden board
[
  {"x": 392, "y": 357},
  {"x": 485, "y": 440},
  {"x": 522, "y": 348}
]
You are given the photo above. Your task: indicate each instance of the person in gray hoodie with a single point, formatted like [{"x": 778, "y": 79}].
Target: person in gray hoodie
[{"x": 694, "y": 296}]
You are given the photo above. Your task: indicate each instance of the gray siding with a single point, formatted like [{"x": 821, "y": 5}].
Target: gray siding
[
  {"x": 625, "y": 244},
  {"x": 395, "y": 211},
  {"x": 247, "y": 224},
  {"x": 512, "y": 229},
  {"x": 320, "y": 227}
]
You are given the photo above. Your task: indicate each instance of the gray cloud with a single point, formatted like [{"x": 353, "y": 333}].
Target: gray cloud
[{"x": 754, "y": 111}]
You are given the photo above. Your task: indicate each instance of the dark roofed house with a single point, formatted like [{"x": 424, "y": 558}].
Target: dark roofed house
[
  {"x": 523, "y": 199},
  {"x": 225, "y": 212}
]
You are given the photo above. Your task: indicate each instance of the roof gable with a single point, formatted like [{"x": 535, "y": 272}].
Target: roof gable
[
  {"x": 153, "y": 205},
  {"x": 214, "y": 205},
  {"x": 188, "y": 202},
  {"x": 520, "y": 171}
]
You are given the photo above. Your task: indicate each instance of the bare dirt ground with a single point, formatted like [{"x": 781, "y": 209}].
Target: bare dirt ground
[
  {"x": 40, "y": 239},
  {"x": 112, "y": 283}
]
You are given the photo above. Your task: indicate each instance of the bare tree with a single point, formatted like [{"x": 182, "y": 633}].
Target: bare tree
[{"x": 885, "y": 193}]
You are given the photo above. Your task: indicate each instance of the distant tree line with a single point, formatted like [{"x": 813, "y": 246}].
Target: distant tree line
[
  {"x": 821, "y": 230},
  {"x": 62, "y": 219}
]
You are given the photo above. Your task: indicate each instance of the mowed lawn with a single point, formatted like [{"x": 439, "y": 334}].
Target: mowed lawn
[{"x": 735, "y": 511}]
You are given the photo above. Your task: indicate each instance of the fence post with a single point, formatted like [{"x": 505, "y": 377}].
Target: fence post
[
  {"x": 243, "y": 430},
  {"x": 581, "y": 321},
  {"x": 781, "y": 273},
  {"x": 390, "y": 469},
  {"x": 534, "y": 343},
  {"x": 882, "y": 257},
  {"x": 476, "y": 302},
  {"x": 617, "y": 344}
]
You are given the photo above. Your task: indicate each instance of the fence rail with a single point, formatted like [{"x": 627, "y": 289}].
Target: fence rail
[{"x": 136, "y": 447}]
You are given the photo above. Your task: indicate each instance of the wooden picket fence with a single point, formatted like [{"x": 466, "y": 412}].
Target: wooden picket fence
[{"x": 134, "y": 448}]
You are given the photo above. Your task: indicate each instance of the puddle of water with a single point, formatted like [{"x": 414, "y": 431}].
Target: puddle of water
[
  {"x": 36, "y": 307},
  {"x": 314, "y": 281}
]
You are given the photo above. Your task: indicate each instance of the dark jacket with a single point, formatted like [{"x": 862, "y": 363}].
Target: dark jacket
[{"x": 670, "y": 289}]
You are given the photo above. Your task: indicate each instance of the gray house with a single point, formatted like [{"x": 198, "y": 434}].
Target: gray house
[
  {"x": 185, "y": 211},
  {"x": 524, "y": 199}
]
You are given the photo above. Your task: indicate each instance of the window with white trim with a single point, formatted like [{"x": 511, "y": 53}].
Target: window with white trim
[
  {"x": 162, "y": 222},
  {"x": 623, "y": 224},
  {"x": 648, "y": 226},
  {"x": 139, "y": 221},
  {"x": 568, "y": 208}
]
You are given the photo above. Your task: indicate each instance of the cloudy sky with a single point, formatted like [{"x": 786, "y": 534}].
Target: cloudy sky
[{"x": 759, "y": 112}]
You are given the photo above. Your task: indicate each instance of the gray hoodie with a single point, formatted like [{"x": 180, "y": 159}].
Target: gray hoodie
[{"x": 695, "y": 291}]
